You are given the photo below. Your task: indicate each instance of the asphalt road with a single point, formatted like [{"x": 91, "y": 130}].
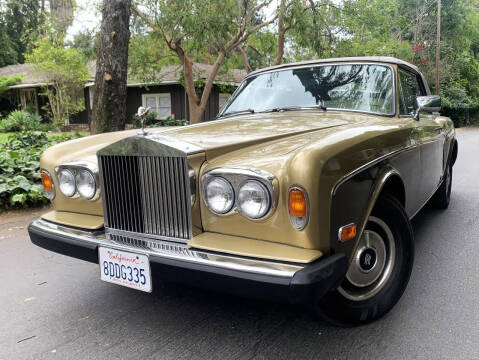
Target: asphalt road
[{"x": 52, "y": 306}]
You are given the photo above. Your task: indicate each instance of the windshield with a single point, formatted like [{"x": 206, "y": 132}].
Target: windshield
[{"x": 359, "y": 87}]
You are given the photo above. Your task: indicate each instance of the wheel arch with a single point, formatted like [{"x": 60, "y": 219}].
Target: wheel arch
[
  {"x": 388, "y": 182},
  {"x": 385, "y": 180},
  {"x": 454, "y": 152}
]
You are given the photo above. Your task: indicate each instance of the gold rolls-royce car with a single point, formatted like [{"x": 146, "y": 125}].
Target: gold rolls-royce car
[{"x": 302, "y": 190}]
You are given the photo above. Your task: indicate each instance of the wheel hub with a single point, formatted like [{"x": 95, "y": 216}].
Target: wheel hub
[
  {"x": 367, "y": 259},
  {"x": 372, "y": 262}
]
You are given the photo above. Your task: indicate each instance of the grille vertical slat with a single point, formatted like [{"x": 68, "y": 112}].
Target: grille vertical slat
[
  {"x": 184, "y": 199},
  {"x": 147, "y": 194},
  {"x": 164, "y": 205},
  {"x": 128, "y": 191}
]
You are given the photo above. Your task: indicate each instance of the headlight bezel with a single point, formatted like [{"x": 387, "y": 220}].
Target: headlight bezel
[
  {"x": 75, "y": 167},
  {"x": 237, "y": 177}
]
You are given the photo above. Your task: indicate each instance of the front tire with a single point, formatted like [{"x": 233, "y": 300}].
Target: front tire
[
  {"x": 442, "y": 197},
  {"x": 379, "y": 271}
]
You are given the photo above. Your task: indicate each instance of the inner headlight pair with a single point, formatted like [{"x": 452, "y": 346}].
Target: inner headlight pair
[
  {"x": 251, "y": 196},
  {"x": 71, "y": 181}
]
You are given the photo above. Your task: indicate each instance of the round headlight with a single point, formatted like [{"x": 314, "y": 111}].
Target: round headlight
[
  {"x": 66, "y": 182},
  {"x": 220, "y": 196},
  {"x": 86, "y": 184},
  {"x": 253, "y": 199}
]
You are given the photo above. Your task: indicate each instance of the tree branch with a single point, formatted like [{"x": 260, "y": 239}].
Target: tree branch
[{"x": 244, "y": 55}]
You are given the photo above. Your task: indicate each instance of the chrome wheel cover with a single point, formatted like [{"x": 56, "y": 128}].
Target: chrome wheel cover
[{"x": 372, "y": 263}]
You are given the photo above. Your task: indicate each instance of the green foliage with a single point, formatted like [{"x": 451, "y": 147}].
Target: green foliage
[
  {"x": 6, "y": 81},
  {"x": 147, "y": 54},
  {"x": 19, "y": 27},
  {"x": 149, "y": 120},
  {"x": 20, "y": 183},
  {"x": 20, "y": 120},
  {"x": 86, "y": 43},
  {"x": 67, "y": 72},
  {"x": 152, "y": 121}
]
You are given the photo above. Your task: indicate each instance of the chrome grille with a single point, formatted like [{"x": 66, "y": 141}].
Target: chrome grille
[{"x": 146, "y": 194}]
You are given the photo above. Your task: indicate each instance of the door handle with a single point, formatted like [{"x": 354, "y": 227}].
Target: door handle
[{"x": 438, "y": 129}]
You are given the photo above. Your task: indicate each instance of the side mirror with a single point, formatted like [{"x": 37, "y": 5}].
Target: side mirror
[{"x": 430, "y": 103}]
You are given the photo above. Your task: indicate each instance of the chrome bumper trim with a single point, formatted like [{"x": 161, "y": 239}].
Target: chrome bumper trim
[{"x": 174, "y": 251}]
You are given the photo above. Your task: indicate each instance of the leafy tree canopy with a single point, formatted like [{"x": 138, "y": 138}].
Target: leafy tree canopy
[
  {"x": 66, "y": 71},
  {"x": 6, "y": 81},
  {"x": 20, "y": 21}
]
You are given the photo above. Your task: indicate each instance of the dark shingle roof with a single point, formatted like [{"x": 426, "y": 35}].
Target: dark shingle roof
[
  {"x": 168, "y": 73},
  {"x": 30, "y": 77}
]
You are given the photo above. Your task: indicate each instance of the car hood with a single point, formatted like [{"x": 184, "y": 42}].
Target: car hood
[
  {"x": 230, "y": 134},
  {"x": 222, "y": 136}
]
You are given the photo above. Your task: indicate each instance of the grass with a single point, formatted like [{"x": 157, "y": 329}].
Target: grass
[{"x": 4, "y": 136}]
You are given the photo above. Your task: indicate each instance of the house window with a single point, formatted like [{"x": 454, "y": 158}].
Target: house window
[
  {"x": 222, "y": 100},
  {"x": 159, "y": 103}
]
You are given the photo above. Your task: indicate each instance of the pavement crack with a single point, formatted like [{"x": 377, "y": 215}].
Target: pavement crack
[{"x": 25, "y": 339}]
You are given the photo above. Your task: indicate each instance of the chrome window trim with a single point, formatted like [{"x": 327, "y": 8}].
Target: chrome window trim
[
  {"x": 172, "y": 250},
  {"x": 345, "y": 63},
  {"x": 236, "y": 177},
  {"x": 347, "y": 59}
]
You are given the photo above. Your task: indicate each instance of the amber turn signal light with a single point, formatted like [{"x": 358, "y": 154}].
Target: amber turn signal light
[
  {"x": 46, "y": 182},
  {"x": 297, "y": 203},
  {"x": 347, "y": 232},
  {"x": 48, "y": 185}
]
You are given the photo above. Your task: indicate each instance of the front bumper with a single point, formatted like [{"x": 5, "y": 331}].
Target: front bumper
[{"x": 290, "y": 282}]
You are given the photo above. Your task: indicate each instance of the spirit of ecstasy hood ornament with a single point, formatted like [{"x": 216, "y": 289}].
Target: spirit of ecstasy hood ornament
[{"x": 142, "y": 112}]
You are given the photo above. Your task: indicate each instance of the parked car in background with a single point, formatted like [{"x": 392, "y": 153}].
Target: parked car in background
[{"x": 301, "y": 191}]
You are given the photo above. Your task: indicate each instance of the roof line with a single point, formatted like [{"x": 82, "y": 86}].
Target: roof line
[{"x": 380, "y": 59}]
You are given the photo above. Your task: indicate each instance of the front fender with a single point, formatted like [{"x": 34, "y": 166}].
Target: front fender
[{"x": 354, "y": 200}]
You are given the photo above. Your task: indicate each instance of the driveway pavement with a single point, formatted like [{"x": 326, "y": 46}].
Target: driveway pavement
[{"x": 55, "y": 307}]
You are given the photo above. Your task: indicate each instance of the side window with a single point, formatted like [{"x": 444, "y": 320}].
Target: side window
[{"x": 409, "y": 89}]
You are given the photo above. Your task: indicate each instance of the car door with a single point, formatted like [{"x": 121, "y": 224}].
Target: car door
[{"x": 427, "y": 133}]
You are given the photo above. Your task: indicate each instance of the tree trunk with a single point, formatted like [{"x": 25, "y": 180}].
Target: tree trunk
[
  {"x": 109, "y": 101},
  {"x": 281, "y": 33}
]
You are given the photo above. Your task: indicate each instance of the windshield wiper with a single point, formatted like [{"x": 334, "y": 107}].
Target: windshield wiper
[
  {"x": 295, "y": 108},
  {"x": 246, "y": 111}
]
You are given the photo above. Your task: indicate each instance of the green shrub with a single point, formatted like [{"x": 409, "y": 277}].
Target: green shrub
[
  {"x": 152, "y": 121},
  {"x": 171, "y": 122},
  {"x": 20, "y": 183},
  {"x": 20, "y": 120}
]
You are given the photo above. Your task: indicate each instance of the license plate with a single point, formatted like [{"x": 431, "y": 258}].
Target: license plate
[{"x": 125, "y": 268}]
